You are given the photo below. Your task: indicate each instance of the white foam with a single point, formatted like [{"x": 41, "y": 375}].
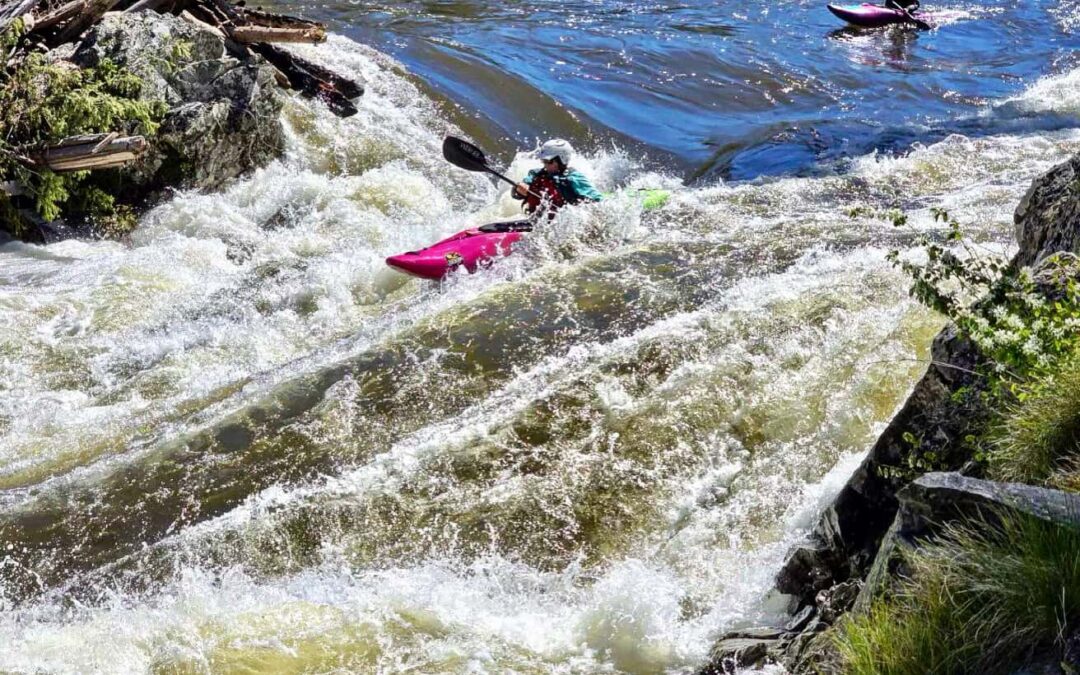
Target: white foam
[{"x": 282, "y": 273}]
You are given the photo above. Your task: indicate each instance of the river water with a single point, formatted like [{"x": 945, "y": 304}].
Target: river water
[{"x": 239, "y": 443}]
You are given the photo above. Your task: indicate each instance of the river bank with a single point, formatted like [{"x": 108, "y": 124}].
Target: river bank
[{"x": 909, "y": 568}]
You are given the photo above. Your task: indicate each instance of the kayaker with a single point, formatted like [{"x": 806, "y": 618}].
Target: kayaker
[
  {"x": 908, "y": 6},
  {"x": 556, "y": 184}
]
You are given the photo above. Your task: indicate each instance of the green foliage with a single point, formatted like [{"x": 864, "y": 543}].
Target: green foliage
[
  {"x": 11, "y": 35},
  {"x": 1038, "y": 439},
  {"x": 10, "y": 217},
  {"x": 916, "y": 460},
  {"x": 1014, "y": 324},
  {"x": 43, "y": 102},
  {"x": 978, "y": 600},
  {"x": 182, "y": 50},
  {"x": 175, "y": 53}
]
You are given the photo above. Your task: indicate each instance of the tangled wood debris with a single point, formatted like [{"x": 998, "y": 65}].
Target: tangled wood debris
[{"x": 38, "y": 26}]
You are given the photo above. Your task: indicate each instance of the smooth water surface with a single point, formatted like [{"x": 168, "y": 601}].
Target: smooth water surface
[{"x": 718, "y": 88}]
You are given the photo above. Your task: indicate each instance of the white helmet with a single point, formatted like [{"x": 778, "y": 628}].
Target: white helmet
[{"x": 557, "y": 147}]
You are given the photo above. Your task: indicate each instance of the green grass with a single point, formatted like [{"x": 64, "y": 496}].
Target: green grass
[
  {"x": 1038, "y": 441},
  {"x": 980, "y": 599}
]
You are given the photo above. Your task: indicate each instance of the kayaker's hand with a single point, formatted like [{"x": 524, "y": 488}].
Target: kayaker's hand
[{"x": 522, "y": 189}]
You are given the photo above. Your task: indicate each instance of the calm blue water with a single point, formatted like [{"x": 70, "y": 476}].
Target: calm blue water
[{"x": 717, "y": 88}]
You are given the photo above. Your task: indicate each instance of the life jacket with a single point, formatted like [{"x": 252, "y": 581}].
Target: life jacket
[{"x": 551, "y": 191}]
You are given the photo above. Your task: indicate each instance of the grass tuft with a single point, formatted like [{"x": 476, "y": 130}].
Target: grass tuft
[
  {"x": 980, "y": 599},
  {"x": 1039, "y": 438}
]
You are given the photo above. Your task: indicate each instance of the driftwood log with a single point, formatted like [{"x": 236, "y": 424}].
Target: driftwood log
[
  {"x": 9, "y": 11},
  {"x": 83, "y": 153},
  {"x": 248, "y": 34},
  {"x": 58, "y": 16},
  {"x": 312, "y": 80}
]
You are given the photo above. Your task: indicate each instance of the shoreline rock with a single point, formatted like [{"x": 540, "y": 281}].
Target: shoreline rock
[
  {"x": 224, "y": 112},
  {"x": 892, "y": 501},
  {"x": 197, "y": 84}
]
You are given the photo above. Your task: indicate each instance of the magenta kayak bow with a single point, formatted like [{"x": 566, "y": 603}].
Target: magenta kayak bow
[
  {"x": 875, "y": 16},
  {"x": 469, "y": 249}
]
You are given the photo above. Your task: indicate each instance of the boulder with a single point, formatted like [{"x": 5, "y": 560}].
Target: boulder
[
  {"x": 790, "y": 645},
  {"x": 936, "y": 499},
  {"x": 733, "y": 653},
  {"x": 836, "y": 601},
  {"x": 1048, "y": 217},
  {"x": 224, "y": 109}
]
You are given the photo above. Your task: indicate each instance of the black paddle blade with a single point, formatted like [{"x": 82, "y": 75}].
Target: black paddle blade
[
  {"x": 464, "y": 154},
  {"x": 919, "y": 23}
]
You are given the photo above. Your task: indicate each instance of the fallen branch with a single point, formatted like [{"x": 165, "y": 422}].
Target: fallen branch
[
  {"x": 249, "y": 34},
  {"x": 187, "y": 16},
  {"x": 58, "y": 15},
  {"x": 228, "y": 16},
  {"x": 14, "y": 9},
  {"x": 313, "y": 80},
  {"x": 256, "y": 17},
  {"x": 144, "y": 5},
  {"x": 98, "y": 151}
]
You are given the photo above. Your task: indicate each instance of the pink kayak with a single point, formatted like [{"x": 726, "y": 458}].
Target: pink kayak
[
  {"x": 470, "y": 249},
  {"x": 872, "y": 16}
]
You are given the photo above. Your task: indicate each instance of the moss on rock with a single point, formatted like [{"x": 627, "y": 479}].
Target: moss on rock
[{"x": 43, "y": 102}]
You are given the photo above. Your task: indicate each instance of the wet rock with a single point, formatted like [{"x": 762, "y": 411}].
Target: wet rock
[
  {"x": 224, "y": 109},
  {"x": 801, "y": 619},
  {"x": 887, "y": 568},
  {"x": 833, "y": 602},
  {"x": 758, "y": 633},
  {"x": 811, "y": 651},
  {"x": 933, "y": 420},
  {"x": 732, "y": 653},
  {"x": 810, "y": 569},
  {"x": 1048, "y": 217}
]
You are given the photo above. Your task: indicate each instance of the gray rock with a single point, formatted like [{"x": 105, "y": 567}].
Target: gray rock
[
  {"x": 833, "y": 602},
  {"x": 887, "y": 567},
  {"x": 224, "y": 111},
  {"x": 1048, "y": 217},
  {"x": 730, "y": 654},
  {"x": 801, "y": 619},
  {"x": 812, "y": 568},
  {"x": 938, "y": 498},
  {"x": 846, "y": 539},
  {"x": 935, "y": 499},
  {"x": 757, "y": 633},
  {"x": 808, "y": 651}
]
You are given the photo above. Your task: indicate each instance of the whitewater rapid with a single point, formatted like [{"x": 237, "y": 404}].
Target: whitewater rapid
[{"x": 237, "y": 442}]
